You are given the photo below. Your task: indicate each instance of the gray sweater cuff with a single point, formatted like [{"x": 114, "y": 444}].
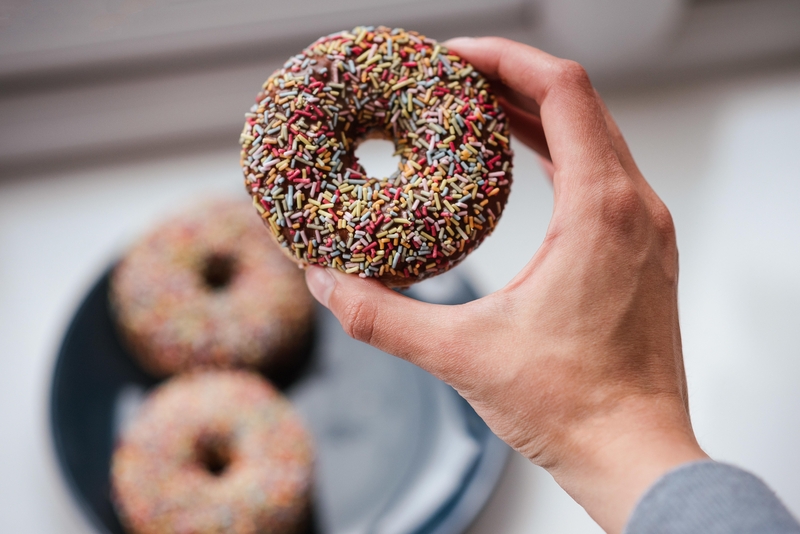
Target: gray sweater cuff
[{"x": 710, "y": 498}]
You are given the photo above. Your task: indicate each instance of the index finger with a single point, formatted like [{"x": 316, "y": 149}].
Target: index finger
[{"x": 572, "y": 119}]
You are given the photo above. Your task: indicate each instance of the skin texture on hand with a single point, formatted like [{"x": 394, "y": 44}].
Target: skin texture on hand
[{"x": 577, "y": 362}]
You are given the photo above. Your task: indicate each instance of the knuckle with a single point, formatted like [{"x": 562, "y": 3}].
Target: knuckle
[
  {"x": 572, "y": 73},
  {"x": 663, "y": 222},
  {"x": 665, "y": 230},
  {"x": 621, "y": 205},
  {"x": 358, "y": 319}
]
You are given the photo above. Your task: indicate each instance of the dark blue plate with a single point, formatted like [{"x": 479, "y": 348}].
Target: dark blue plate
[{"x": 398, "y": 451}]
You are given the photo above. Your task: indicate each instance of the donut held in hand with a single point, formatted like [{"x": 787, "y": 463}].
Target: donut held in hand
[{"x": 448, "y": 128}]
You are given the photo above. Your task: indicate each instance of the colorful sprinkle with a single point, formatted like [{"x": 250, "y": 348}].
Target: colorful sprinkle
[{"x": 450, "y": 132}]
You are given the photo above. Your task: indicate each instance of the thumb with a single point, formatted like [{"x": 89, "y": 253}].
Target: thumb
[{"x": 431, "y": 336}]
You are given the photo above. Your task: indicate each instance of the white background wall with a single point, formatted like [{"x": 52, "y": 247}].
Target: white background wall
[
  {"x": 724, "y": 156},
  {"x": 111, "y": 75}
]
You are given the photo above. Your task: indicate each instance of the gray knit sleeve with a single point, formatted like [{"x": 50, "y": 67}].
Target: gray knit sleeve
[{"x": 710, "y": 498}]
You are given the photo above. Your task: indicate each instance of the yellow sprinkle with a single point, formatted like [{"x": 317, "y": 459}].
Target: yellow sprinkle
[
  {"x": 475, "y": 128},
  {"x": 501, "y": 137},
  {"x": 363, "y": 56},
  {"x": 409, "y": 81},
  {"x": 360, "y": 36}
]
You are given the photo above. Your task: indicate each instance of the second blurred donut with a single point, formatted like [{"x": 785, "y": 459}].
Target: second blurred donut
[{"x": 208, "y": 288}]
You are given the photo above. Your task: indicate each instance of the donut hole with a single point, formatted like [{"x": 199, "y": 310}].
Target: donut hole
[
  {"x": 377, "y": 156},
  {"x": 218, "y": 271},
  {"x": 213, "y": 453}
]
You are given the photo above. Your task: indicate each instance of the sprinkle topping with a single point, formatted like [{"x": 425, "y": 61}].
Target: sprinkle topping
[{"x": 450, "y": 132}]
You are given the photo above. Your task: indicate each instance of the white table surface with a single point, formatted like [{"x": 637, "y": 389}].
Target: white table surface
[{"x": 724, "y": 155}]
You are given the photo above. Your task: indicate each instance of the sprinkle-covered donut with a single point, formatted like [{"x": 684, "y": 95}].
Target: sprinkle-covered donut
[
  {"x": 449, "y": 130},
  {"x": 214, "y": 452},
  {"x": 209, "y": 288}
]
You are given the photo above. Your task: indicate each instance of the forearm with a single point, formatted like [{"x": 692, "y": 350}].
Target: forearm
[{"x": 611, "y": 461}]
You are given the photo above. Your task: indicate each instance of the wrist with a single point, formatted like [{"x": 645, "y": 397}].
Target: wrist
[{"x": 611, "y": 460}]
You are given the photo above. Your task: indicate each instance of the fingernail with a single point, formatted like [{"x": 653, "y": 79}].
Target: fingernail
[
  {"x": 321, "y": 283},
  {"x": 455, "y": 42}
]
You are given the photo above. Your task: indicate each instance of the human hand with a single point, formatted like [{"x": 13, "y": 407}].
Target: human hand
[{"x": 577, "y": 362}]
